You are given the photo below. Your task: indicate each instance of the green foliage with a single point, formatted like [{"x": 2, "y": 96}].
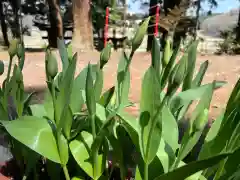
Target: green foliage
[
  {"x": 229, "y": 44},
  {"x": 78, "y": 126}
]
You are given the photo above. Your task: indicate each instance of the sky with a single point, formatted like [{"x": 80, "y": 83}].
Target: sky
[{"x": 223, "y": 6}]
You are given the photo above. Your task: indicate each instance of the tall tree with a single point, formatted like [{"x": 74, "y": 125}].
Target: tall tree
[
  {"x": 173, "y": 10},
  {"x": 238, "y": 28},
  {"x": 56, "y": 30},
  {"x": 3, "y": 25},
  {"x": 198, "y": 5},
  {"x": 152, "y": 13},
  {"x": 16, "y": 29},
  {"x": 83, "y": 30}
]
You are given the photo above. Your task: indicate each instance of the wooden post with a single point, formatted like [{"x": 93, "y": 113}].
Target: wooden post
[
  {"x": 156, "y": 20},
  {"x": 106, "y": 27}
]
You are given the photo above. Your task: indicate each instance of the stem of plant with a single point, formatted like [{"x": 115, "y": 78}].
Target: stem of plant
[
  {"x": 124, "y": 77},
  {"x": 53, "y": 94},
  {"x": 19, "y": 104},
  {"x": 151, "y": 133},
  {"x": 154, "y": 123},
  {"x": 6, "y": 84},
  {"x": 65, "y": 170},
  {"x": 9, "y": 68},
  {"x": 96, "y": 152},
  {"x": 145, "y": 171}
]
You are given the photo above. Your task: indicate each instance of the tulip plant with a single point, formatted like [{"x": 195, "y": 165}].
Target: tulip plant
[{"x": 81, "y": 132}]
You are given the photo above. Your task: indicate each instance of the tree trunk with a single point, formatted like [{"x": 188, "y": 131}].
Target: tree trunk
[
  {"x": 238, "y": 28},
  {"x": 197, "y": 18},
  {"x": 124, "y": 20},
  {"x": 83, "y": 31},
  {"x": 56, "y": 29},
  {"x": 3, "y": 26},
  {"x": 16, "y": 29},
  {"x": 152, "y": 12}
]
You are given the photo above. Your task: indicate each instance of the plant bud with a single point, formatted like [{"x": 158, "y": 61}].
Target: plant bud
[
  {"x": 90, "y": 94},
  {"x": 167, "y": 53},
  {"x": 105, "y": 55},
  {"x": 13, "y": 47},
  {"x": 21, "y": 55},
  {"x": 113, "y": 99},
  {"x": 179, "y": 72},
  {"x": 52, "y": 66},
  {"x": 177, "y": 75},
  {"x": 201, "y": 120},
  {"x": 69, "y": 50},
  {"x": 1, "y": 67},
  {"x": 18, "y": 75},
  {"x": 138, "y": 38}
]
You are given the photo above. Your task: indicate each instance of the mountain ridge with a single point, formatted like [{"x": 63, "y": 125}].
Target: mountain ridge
[{"x": 212, "y": 26}]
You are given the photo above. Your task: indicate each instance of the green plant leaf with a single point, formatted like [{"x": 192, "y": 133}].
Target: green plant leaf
[
  {"x": 195, "y": 176},
  {"x": 150, "y": 96},
  {"x": 131, "y": 125},
  {"x": 90, "y": 93},
  {"x": 3, "y": 113},
  {"x": 219, "y": 143},
  {"x": 192, "y": 167},
  {"x": 101, "y": 113},
  {"x": 177, "y": 75},
  {"x": 154, "y": 169},
  {"x": 192, "y": 135},
  {"x": 38, "y": 110},
  {"x": 63, "y": 54},
  {"x": 106, "y": 97},
  {"x": 118, "y": 156},
  {"x": 139, "y": 36},
  {"x": 69, "y": 50},
  {"x": 213, "y": 131},
  {"x": 33, "y": 132},
  {"x": 184, "y": 99},
  {"x": 98, "y": 85},
  {"x": 21, "y": 55},
  {"x": 80, "y": 81},
  {"x": 231, "y": 167},
  {"x": 228, "y": 125},
  {"x": 78, "y": 89},
  {"x": 48, "y": 105},
  {"x": 169, "y": 67},
  {"x": 63, "y": 98},
  {"x": 68, "y": 123},
  {"x": 169, "y": 128},
  {"x": 27, "y": 100},
  {"x": 161, "y": 163},
  {"x": 63, "y": 149},
  {"x": 199, "y": 77},
  {"x": 81, "y": 151},
  {"x": 156, "y": 56},
  {"x": 150, "y": 102},
  {"x": 105, "y": 55},
  {"x": 192, "y": 56},
  {"x": 123, "y": 81},
  {"x": 166, "y": 155},
  {"x": 219, "y": 84}
]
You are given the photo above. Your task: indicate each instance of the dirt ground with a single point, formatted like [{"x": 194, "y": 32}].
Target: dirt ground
[{"x": 225, "y": 68}]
